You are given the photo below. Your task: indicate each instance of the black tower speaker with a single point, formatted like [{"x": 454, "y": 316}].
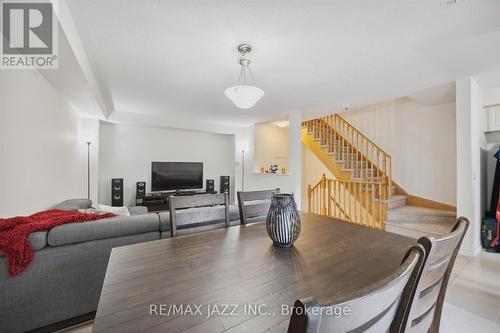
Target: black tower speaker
[
  {"x": 225, "y": 186},
  {"x": 117, "y": 192},
  {"x": 210, "y": 185},
  {"x": 140, "y": 192}
]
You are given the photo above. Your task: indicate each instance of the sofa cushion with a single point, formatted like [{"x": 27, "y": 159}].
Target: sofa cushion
[
  {"x": 119, "y": 211},
  {"x": 106, "y": 228},
  {"x": 164, "y": 221},
  {"x": 74, "y": 204},
  {"x": 38, "y": 240},
  {"x": 137, "y": 210}
]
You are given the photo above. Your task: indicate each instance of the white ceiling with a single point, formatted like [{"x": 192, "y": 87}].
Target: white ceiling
[{"x": 173, "y": 59}]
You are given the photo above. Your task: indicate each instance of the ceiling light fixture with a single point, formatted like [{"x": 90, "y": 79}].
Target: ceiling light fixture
[
  {"x": 282, "y": 123},
  {"x": 243, "y": 95}
]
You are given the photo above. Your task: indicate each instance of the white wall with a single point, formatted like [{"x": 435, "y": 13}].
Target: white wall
[
  {"x": 245, "y": 139},
  {"x": 290, "y": 183},
  {"x": 295, "y": 119},
  {"x": 126, "y": 151},
  {"x": 421, "y": 141},
  {"x": 272, "y": 146},
  {"x": 42, "y": 158},
  {"x": 491, "y": 96},
  {"x": 471, "y": 160}
]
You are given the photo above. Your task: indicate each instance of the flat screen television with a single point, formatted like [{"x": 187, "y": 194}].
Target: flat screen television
[{"x": 167, "y": 176}]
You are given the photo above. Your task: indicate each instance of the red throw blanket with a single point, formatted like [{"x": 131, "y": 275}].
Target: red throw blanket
[{"x": 14, "y": 233}]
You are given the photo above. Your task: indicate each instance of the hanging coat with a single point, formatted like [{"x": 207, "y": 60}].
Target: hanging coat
[{"x": 496, "y": 185}]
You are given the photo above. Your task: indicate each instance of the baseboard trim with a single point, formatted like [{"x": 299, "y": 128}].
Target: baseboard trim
[
  {"x": 469, "y": 252},
  {"x": 413, "y": 200},
  {"x": 64, "y": 323}
]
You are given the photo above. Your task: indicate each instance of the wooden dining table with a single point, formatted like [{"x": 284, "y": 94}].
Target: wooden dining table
[{"x": 235, "y": 280}]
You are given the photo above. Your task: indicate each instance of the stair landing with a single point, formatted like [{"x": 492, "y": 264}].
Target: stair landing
[{"x": 416, "y": 222}]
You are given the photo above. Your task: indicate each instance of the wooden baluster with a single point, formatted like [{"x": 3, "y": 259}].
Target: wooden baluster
[
  {"x": 312, "y": 200},
  {"x": 336, "y": 144},
  {"x": 334, "y": 198},
  {"x": 380, "y": 211},
  {"x": 368, "y": 160},
  {"x": 357, "y": 155},
  {"x": 373, "y": 164},
  {"x": 363, "y": 156},
  {"x": 364, "y": 203},
  {"x": 360, "y": 151},
  {"x": 323, "y": 195},
  {"x": 358, "y": 207},
  {"x": 342, "y": 143},
  {"x": 346, "y": 143},
  {"x": 368, "y": 148},
  {"x": 377, "y": 170},
  {"x": 351, "y": 143},
  {"x": 309, "y": 199},
  {"x": 323, "y": 139},
  {"x": 316, "y": 201},
  {"x": 329, "y": 193},
  {"x": 339, "y": 201},
  {"x": 371, "y": 203},
  {"x": 348, "y": 208},
  {"x": 339, "y": 198},
  {"x": 346, "y": 146},
  {"x": 389, "y": 182},
  {"x": 345, "y": 199}
]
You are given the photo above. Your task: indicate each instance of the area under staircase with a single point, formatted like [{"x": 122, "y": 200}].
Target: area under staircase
[{"x": 362, "y": 190}]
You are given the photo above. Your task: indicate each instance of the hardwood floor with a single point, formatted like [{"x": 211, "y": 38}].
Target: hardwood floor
[
  {"x": 240, "y": 266},
  {"x": 472, "y": 309}
]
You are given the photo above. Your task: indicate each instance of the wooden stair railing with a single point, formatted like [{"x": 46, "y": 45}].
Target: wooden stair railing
[
  {"x": 354, "y": 201},
  {"x": 357, "y": 153}
]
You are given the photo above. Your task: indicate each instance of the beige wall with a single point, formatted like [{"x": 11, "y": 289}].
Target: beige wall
[
  {"x": 312, "y": 170},
  {"x": 272, "y": 146},
  {"x": 421, "y": 141}
]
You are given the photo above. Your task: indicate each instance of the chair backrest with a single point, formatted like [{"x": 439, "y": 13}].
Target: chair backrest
[
  {"x": 371, "y": 309},
  {"x": 197, "y": 201},
  {"x": 253, "y": 205},
  {"x": 423, "y": 307}
]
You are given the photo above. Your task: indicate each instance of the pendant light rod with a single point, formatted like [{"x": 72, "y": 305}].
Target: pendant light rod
[{"x": 243, "y": 95}]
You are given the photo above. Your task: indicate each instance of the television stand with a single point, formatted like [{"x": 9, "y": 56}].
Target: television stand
[{"x": 157, "y": 202}]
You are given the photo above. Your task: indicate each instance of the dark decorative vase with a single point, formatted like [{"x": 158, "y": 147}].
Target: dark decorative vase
[{"x": 283, "y": 220}]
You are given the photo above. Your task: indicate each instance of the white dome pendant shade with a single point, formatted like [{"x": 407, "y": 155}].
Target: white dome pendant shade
[{"x": 244, "y": 96}]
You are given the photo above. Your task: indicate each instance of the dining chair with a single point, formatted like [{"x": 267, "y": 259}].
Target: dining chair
[
  {"x": 191, "y": 209},
  {"x": 421, "y": 308},
  {"x": 254, "y": 205},
  {"x": 371, "y": 309}
]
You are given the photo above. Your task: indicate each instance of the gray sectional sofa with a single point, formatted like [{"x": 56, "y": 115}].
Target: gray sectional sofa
[{"x": 64, "y": 280}]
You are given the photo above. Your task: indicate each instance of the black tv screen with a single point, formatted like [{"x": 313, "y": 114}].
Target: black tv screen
[{"x": 176, "y": 176}]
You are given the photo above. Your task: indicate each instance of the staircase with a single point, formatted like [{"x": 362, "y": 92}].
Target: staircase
[{"x": 362, "y": 190}]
